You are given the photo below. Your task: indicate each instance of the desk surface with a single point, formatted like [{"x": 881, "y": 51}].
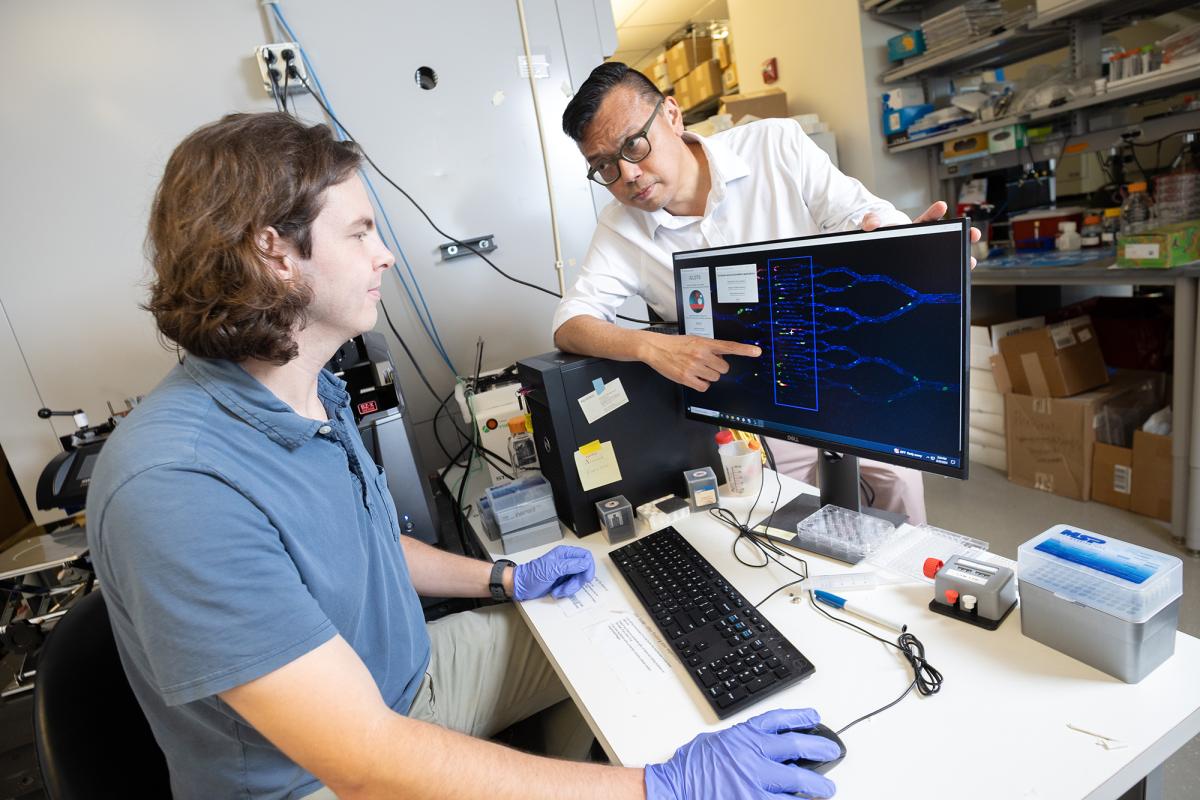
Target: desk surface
[{"x": 1003, "y": 710}]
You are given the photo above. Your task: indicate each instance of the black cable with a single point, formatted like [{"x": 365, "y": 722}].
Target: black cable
[
  {"x": 412, "y": 359},
  {"x": 462, "y": 485},
  {"x": 424, "y": 214},
  {"x": 926, "y": 678},
  {"x": 437, "y": 436},
  {"x": 868, "y": 490},
  {"x": 274, "y": 88},
  {"x": 287, "y": 75}
]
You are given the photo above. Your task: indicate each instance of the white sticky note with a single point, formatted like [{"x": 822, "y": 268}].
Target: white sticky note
[
  {"x": 598, "y": 468},
  {"x": 596, "y": 406},
  {"x": 737, "y": 284}
]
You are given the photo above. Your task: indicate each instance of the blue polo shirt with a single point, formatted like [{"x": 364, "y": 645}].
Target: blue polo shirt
[{"x": 232, "y": 536}]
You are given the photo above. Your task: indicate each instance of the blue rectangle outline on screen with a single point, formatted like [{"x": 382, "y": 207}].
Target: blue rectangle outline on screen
[{"x": 816, "y": 382}]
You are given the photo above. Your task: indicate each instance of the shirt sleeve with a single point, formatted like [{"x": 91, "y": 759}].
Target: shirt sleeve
[
  {"x": 836, "y": 201},
  {"x": 608, "y": 278},
  {"x": 200, "y": 581}
]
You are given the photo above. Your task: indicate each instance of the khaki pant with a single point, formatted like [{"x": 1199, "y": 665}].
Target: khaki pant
[{"x": 486, "y": 672}]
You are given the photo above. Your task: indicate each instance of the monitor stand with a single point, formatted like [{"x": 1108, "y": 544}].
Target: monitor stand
[{"x": 837, "y": 477}]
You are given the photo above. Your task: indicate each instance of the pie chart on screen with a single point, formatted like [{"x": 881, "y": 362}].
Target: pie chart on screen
[{"x": 696, "y": 300}]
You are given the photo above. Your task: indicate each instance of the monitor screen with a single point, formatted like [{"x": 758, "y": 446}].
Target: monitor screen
[{"x": 864, "y": 340}]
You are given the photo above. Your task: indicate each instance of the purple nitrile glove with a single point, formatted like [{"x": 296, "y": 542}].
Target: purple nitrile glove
[
  {"x": 562, "y": 572},
  {"x": 744, "y": 761}
]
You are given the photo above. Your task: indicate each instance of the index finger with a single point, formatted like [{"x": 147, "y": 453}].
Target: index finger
[
  {"x": 785, "y": 719},
  {"x": 736, "y": 348}
]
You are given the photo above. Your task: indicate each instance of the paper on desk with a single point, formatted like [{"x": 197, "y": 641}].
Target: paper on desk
[
  {"x": 596, "y": 406},
  {"x": 594, "y": 593},
  {"x": 629, "y": 650},
  {"x": 597, "y": 465}
]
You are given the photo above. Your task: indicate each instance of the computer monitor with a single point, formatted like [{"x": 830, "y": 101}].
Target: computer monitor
[{"x": 864, "y": 338}]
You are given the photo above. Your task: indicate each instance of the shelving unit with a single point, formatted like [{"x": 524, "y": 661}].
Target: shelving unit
[{"x": 1087, "y": 125}]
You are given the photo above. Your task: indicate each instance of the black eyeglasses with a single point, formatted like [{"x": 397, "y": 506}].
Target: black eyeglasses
[{"x": 636, "y": 147}]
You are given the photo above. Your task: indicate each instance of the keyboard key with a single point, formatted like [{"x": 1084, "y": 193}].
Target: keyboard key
[{"x": 782, "y": 672}]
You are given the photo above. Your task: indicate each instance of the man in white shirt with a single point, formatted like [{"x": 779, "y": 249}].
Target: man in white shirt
[{"x": 675, "y": 190}]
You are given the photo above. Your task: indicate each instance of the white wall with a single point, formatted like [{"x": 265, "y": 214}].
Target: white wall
[
  {"x": 97, "y": 95},
  {"x": 830, "y": 56}
]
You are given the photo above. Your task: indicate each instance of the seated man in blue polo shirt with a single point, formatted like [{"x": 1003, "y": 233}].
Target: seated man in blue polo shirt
[{"x": 263, "y": 600}]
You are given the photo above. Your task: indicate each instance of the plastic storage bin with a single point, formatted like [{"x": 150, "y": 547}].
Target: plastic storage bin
[
  {"x": 1110, "y": 604},
  {"x": 522, "y": 502}
]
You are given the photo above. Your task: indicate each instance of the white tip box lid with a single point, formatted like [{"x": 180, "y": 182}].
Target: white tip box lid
[{"x": 1125, "y": 580}]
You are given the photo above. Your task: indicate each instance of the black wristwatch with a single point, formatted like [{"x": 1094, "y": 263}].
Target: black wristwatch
[{"x": 496, "y": 580}]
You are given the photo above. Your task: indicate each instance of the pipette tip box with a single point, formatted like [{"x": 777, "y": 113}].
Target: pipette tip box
[{"x": 1110, "y": 604}]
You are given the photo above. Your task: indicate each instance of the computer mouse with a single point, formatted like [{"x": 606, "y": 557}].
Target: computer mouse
[{"x": 820, "y": 766}]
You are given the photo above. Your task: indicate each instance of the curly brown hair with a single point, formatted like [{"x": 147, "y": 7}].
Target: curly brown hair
[{"x": 213, "y": 292}]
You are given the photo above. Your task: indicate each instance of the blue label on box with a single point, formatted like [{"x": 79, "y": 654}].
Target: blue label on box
[{"x": 1097, "y": 560}]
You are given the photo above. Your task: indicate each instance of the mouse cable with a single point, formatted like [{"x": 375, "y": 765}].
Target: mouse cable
[
  {"x": 926, "y": 678},
  {"x": 424, "y": 214}
]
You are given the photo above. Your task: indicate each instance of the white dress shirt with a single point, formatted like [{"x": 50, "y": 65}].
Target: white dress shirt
[{"x": 769, "y": 181}]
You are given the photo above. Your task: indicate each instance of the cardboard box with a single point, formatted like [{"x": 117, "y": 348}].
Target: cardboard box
[
  {"x": 686, "y": 55},
  {"x": 1051, "y": 440},
  {"x": 1167, "y": 246},
  {"x": 965, "y": 147},
  {"x": 1151, "y": 475},
  {"x": 721, "y": 52},
  {"x": 765, "y": 104},
  {"x": 989, "y": 456},
  {"x": 683, "y": 93},
  {"x": 729, "y": 78},
  {"x": 1055, "y": 361},
  {"x": 704, "y": 83},
  {"x": 1112, "y": 475},
  {"x": 1010, "y": 137},
  {"x": 988, "y": 421}
]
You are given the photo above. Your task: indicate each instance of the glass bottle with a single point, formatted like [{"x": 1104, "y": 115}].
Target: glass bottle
[{"x": 1137, "y": 212}]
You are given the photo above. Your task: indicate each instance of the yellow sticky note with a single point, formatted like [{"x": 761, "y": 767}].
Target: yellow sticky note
[{"x": 598, "y": 466}]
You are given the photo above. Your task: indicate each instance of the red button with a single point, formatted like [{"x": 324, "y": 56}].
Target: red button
[
  {"x": 932, "y": 565},
  {"x": 951, "y": 596}
]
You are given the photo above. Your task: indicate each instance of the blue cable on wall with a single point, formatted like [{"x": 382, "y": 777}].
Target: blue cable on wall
[{"x": 431, "y": 327}]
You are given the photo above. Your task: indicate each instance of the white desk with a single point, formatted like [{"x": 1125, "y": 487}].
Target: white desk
[{"x": 998, "y": 728}]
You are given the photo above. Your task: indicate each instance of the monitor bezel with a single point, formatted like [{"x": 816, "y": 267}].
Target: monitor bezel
[{"x": 961, "y": 472}]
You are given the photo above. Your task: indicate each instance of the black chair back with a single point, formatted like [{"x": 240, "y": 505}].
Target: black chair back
[{"x": 92, "y": 739}]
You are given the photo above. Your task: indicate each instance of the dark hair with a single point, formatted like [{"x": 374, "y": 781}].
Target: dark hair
[
  {"x": 604, "y": 78},
  {"x": 213, "y": 292}
]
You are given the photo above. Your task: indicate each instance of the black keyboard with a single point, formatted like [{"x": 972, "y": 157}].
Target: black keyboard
[{"x": 732, "y": 653}]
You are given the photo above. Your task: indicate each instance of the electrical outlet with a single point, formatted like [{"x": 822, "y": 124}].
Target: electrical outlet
[{"x": 275, "y": 57}]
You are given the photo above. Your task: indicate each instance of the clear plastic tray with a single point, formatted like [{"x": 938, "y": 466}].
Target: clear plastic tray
[
  {"x": 906, "y": 555},
  {"x": 1125, "y": 580},
  {"x": 843, "y": 534}
]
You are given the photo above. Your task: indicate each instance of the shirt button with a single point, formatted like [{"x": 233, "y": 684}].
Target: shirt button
[{"x": 324, "y": 430}]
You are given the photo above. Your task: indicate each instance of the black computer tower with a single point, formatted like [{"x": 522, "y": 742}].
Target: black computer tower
[
  {"x": 386, "y": 428},
  {"x": 652, "y": 440}
]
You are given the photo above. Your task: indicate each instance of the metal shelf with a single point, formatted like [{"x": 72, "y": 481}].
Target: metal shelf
[
  {"x": 1172, "y": 78},
  {"x": 1006, "y": 46},
  {"x": 1083, "y": 274},
  {"x": 1093, "y": 141},
  {"x": 1109, "y": 9},
  {"x": 956, "y": 133}
]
